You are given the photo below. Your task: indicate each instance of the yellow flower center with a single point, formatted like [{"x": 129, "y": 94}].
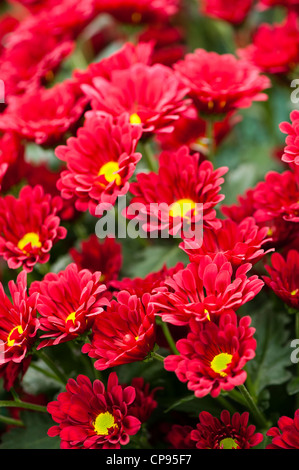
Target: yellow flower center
[
  {"x": 103, "y": 422},
  {"x": 228, "y": 443},
  {"x": 294, "y": 292},
  {"x": 109, "y": 170},
  {"x": 31, "y": 238},
  {"x": 135, "y": 119},
  {"x": 220, "y": 363},
  {"x": 10, "y": 342},
  {"x": 71, "y": 316},
  {"x": 181, "y": 207}
]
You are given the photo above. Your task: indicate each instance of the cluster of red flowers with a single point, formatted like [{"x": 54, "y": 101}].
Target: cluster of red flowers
[{"x": 145, "y": 122}]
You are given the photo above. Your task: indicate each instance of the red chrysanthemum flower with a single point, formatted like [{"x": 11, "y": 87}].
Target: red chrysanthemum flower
[
  {"x": 277, "y": 197},
  {"x": 100, "y": 161},
  {"x": 213, "y": 356},
  {"x": 18, "y": 328},
  {"x": 48, "y": 178},
  {"x": 275, "y": 47},
  {"x": 68, "y": 303},
  {"x": 13, "y": 372},
  {"x": 226, "y": 432},
  {"x": 286, "y": 435},
  {"x": 46, "y": 114},
  {"x": 29, "y": 227},
  {"x": 191, "y": 130},
  {"x": 235, "y": 12},
  {"x": 128, "y": 55},
  {"x": 291, "y": 151},
  {"x": 103, "y": 256},
  {"x": 151, "y": 95},
  {"x": 284, "y": 277},
  {"x": 144, "y": 403},
  {"x": 221, "y": 83},
  {"x": 202, "y": 289},
  {"x": 139, "y": 286},
  {"x": 12, "y": 162},
  {"x": 24, "y": 66},
  {"x": 90, "y": 417},
  {"x": 139, "y": 11},
  {"x": 290, "y": 4},
  {"x": 180, "y": 437},
  {"x": 124, "y": 333},
  {"x": 167, "y": 42},
  {"x": 170, "y": 199},
  {"x": 239, "y": 242}
]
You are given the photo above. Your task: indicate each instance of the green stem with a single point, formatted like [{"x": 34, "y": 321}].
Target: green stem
[
  {"x": 258, "y": 416},
  {"x": 22, "y": 404},
  {"x": 51, "y": 364},
  {"x": 169, "y": 338},
  {"x": 225, "y": 404},
  {"x": 11, "y": 421},
  {"x": 45, "y": 372},
  {"x": 157, "y": 356}
]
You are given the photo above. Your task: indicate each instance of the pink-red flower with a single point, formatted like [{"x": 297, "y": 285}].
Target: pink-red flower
[
  {"x": 179, "y": 437},
  {"x": 226, "y": 432},
  {"x": 289, "y": 4},
  {"x": 213, "y": 356},
  {"x": 139, "y": 286},
  {"x": 18, "y": 328},
  {"x": 139, "y": 11},
  {"x": 291, "y": 150},
  {"x": 235, "y": 12},
  {"x": 90, "y": 416},
  {"x": 205, "y": 289},
  {"x": 152, "y": 96},
  {"x": 12, "y": 162},
  {"x": 145, "y": 402},
  {"x": 68, "y": 303},
  {"x": 29, "y": 227},
  {"x": 241, "y": 242},
  {"x": 105, "y": 256},
  {"x": 100, "y": 161},
  {"x": 283, "y": 277},
  {"x": 275, "y": 47},
  {"x": 46, "y": 114},
  {"x": 171, "y": 199},
  {"x": 124, "y": 333},
  {"x": 221, "y": 83},
  {"x": 286, "y": 434}
]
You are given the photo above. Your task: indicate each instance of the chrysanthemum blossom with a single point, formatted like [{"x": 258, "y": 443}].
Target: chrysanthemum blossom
[
  {"x": 180, "y": 198},
  {"x": 179, "y": 437},
  {"x": 18, "y": 328},
  {"x": 281, "y": 231},
  {"x": 145, "y": 402},
  {"x": 221, "y": 83},
  {"x": 277, "y": 197},
  {"x": 139, "y": 11},
  {"x": 139, "y": 286},
  {"x": 274, "y": 48},
  {"x": 152, "y": 96},
  {"x": 204, "y": 289},
  {"x": 213, "y": 356},
  {"x": 240, "y": 242},
  {"x": 29, "y": 227},
  {"x": 235, "y": 12},
  {"x": 128, "y": 55},
  {"x": 96, "y": 255},
  {"x": 92, "y": 417},
  {"x": 124, "y": 333},
  {"x": 100, "y": 161},
  {"x": 44, "y": 115},
  {"x": 283, "y": 277},
  {"x": 286, "y": 434},
  {"x": 227, "y": 432},
  {"x": 68, "y": 303},
  {"x": 12, "y": 162},
  {"x": 291, "y": 150}
]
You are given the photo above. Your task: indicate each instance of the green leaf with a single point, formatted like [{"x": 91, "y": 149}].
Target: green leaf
[
  {"x": 33, "y": 436},
  {"x": 270, "y": 365},
  {"x": 293, "y": 386}
]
